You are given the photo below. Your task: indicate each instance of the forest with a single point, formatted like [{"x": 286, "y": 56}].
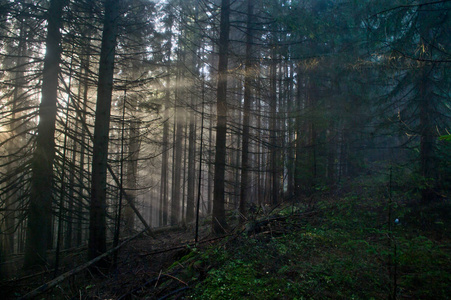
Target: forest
[{"x": 299, "y": 146}]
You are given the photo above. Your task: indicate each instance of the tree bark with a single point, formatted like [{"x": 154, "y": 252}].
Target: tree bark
[
  {"x": 41, "y": 197},
  {"x": 273, "y": 123},
  {"x": 244, "y": 189},
  {"x": 82, "y": 120},
  {"x": 97, "y": 216},
  {"x": 178, "y": 146},
  {"x": 191, "y": 167},
  {"x": 165, "y": 158},
  {"x": 164, "y": 188},
  {"x": 298, "y": 141},
  {"x": 219, "y": 223}
]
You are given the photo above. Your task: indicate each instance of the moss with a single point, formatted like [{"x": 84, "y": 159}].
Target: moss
[{"x": 343, "y": 253}]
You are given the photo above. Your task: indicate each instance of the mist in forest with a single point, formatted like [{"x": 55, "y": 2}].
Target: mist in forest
[{"x": 121, "y": 116}]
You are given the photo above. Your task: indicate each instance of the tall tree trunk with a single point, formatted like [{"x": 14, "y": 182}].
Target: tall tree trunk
[
  {"x": 219, "y": 223},
  {"x": 82, "y": 120},
  {"x": 259, "y": 146},
  {"x": 273, "y": 123},
  {"x": 291, "y": 134},
  {"x": 281, "y": 128},
  {"x": 244, "y": 188},
  {"x": 178, "y": 147},
  {"x": 97, "y": 216},
  {"x": 70, "y": 209},
  {"x": 164, "y": 188},
  {"x": 184, "y": 173},
  {"x": 298, "y": 140},
  {"x": 236, "y": 176},
  {"x": 210, "y": 162},
  {"x": 191, "y": 167},
  {"x": 165, "y": 158},
  {"x": 312, "y": 144},
  {"x": 41, "y": 197},
  {"x": 132, "y": 174},
  {"x": 195, "y": 44}
]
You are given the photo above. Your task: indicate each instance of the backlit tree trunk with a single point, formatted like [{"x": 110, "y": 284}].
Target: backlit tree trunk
[
  {"x": 97, "y": 217},
  {"x": 132, "y": 174},
  {"x": 219, "y": 221},
  {"x": 41, "y": 197},
  {"x": 244, "y": 189}
]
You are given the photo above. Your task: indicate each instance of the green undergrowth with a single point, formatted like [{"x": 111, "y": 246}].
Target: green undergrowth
[{"x": 343, "y": 249}]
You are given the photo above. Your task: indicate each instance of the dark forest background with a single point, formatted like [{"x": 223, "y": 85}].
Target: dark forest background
[{"x": 123, "y": 115}]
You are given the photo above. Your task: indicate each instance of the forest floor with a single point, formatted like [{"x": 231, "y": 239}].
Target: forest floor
[{"x": 340, "y": 248}]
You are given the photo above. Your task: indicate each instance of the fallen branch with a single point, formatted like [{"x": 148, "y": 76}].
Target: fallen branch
[
  {"x": 179, "y": 280},
  {"x": 174, "y": 292},
  {"x": 16, "y": 280},
  {"x": 46, "y": 286},
  {"x": 184, "y": 246},
  {"x": 148, "y": 282},
  {"x": 130, "y": 202}
]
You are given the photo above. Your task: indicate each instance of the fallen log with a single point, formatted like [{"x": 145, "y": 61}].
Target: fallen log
[
  {"x": 260, "y": 225},
  {"x": 184, "y": 246},
  {"x": 46, "y": 286}
]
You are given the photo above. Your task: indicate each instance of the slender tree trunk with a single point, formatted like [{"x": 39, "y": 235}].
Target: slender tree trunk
[
  {"x": 132, "y": 174},
  {"x": 70, "y": 209},
  {"x": 298, "y": 140},
  {"x": 281, "y": 128},
  {"x": 82, "y": 120},
  {"x": 312, "y": 100},
  {"x": 244, "y": 189},
  {"x": 178, "y": 147},
  {"x": 237, "y": 163},
  {"x": 236, "y": 175},
  {"x": 191, "y": 167},
  {"x": 164, "y": 165},
  {"x": 219, "y": 221},
  {"x": 195, "y": 44},
  {"x": 259, "y": 162},
  {"x": 184, "y": 173},
  {"x": 291, "y": 134},
  {"x": 97, "y": 217},
  {"x": 177, "y": 172},
  {"x": 165, "y": 159},
  {"x": 41, "y": 197},
  {"x": 273, "y": 124},
  {"x": 164, "y": 192},
  {"x": 210, "y": 163}
]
